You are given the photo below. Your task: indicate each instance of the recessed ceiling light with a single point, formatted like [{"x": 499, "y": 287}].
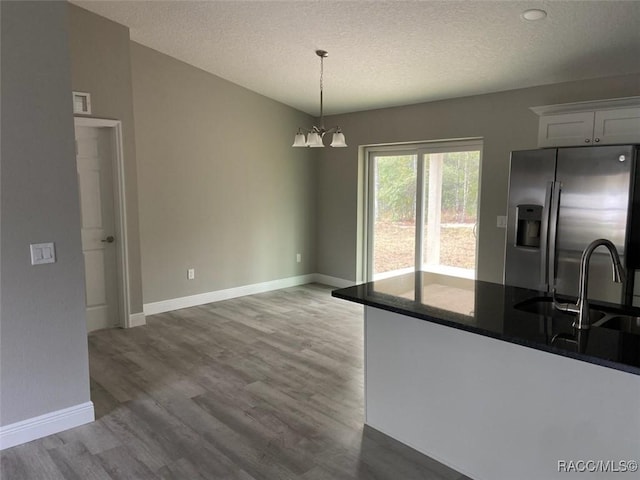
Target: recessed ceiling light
[{"x": 534, "y": 14}]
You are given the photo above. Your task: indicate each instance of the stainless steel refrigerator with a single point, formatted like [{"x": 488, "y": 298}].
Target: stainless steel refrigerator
[{"x": 560, "y": 200}]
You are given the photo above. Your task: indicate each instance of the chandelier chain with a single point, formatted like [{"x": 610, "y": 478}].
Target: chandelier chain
[
  {"x": 321, "y": 95},
  {"x": 321, "y": 72}
]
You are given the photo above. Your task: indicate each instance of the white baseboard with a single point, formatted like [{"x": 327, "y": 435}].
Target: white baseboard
[
  {"x": 332, "y": 281},
  {"x": 47, "y": 424},
  {"x": 137, "y": 320},
  {"x": 216, "y": 296}
]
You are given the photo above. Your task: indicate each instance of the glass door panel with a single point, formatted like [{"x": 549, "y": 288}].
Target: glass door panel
[
  {"x": 450, "y": 211},
  {"x": 392, "y": 210}
]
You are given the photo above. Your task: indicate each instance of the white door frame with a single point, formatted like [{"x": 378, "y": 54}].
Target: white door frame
[
  {"x": 420, "y": 149},
  {"x": 120, "y": 213}
]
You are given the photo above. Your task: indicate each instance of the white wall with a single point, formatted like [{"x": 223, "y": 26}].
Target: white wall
[
  {"x": 502, "y": 119},
  {"x": 220, "y": 188},
  {"x": 43, "y": 337}
]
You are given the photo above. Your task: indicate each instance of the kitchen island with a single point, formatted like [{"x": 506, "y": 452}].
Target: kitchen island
[{"x": 489, "y": 380}]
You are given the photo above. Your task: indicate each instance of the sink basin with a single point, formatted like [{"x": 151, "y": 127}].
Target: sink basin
[
  {"x": 544, "y": 306},
  {"x": 597, "y": 318},
  {"x": 622, "y": 323},
  {"x": 539, "y": 305}
]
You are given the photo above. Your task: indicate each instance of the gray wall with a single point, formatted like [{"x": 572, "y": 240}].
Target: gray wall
[
  {"x": 101, "y": 65},
  {"x": 43, "y": 346},
  {"x": 220, "y": 188},
  {"x": 502, "y": 119}
]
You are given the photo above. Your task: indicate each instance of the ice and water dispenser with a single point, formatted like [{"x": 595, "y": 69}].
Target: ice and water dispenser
[{"x": 528, "y": 225}]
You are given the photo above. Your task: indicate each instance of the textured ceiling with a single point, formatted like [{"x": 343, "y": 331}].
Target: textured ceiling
[{"x": 386, "y": 53}]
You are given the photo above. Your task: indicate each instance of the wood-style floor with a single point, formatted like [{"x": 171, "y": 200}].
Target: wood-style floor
[{"x": 267, "y": 386}]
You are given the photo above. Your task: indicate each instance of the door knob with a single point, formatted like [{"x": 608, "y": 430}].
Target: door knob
[{"x": 109, "y": 239}]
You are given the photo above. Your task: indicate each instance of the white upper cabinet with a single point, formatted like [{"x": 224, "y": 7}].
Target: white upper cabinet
[
  {"x": 617, "y": 126},
  {"x": 603, "y": 122},
  {"x": 565, "y": 129}
]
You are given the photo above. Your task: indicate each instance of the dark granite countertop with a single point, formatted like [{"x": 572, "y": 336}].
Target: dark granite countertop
[{"x": 511, "y": 314}]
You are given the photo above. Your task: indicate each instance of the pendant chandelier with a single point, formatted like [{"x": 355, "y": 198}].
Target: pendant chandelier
[{"x": 316, "y": 134}]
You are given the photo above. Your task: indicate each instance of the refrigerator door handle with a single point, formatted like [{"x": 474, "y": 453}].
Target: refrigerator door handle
[
  {"x": 553, "y": 230},
  {"x": 544, "y": 238}
]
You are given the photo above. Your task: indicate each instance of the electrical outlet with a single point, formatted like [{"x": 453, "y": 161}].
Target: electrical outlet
[
  {"x": 501, "y": 221},
  {"x": 298, "y": 257},
  {"x": 191, "y": 274}
]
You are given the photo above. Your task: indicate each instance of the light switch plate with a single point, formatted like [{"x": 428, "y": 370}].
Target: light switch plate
[
  {"x": 43, "y": 253},
  {"x": 501, "y": 221}
]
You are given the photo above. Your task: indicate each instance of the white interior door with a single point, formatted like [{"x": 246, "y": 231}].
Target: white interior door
[{"x": 95, "y": 177}]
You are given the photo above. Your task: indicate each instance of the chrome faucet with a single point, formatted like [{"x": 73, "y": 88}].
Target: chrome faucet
[{"x": 581, "y": 308}]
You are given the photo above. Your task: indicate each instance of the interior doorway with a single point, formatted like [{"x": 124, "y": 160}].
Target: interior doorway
[{"x": 101, "y": 186}]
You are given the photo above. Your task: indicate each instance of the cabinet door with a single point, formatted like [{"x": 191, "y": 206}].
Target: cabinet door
[
  {"x": 617, "y": 126},
  {"x": 565, "y": 130}
]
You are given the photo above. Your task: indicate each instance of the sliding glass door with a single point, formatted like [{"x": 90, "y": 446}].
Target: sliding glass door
[{"x": 422, "y": 209}]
